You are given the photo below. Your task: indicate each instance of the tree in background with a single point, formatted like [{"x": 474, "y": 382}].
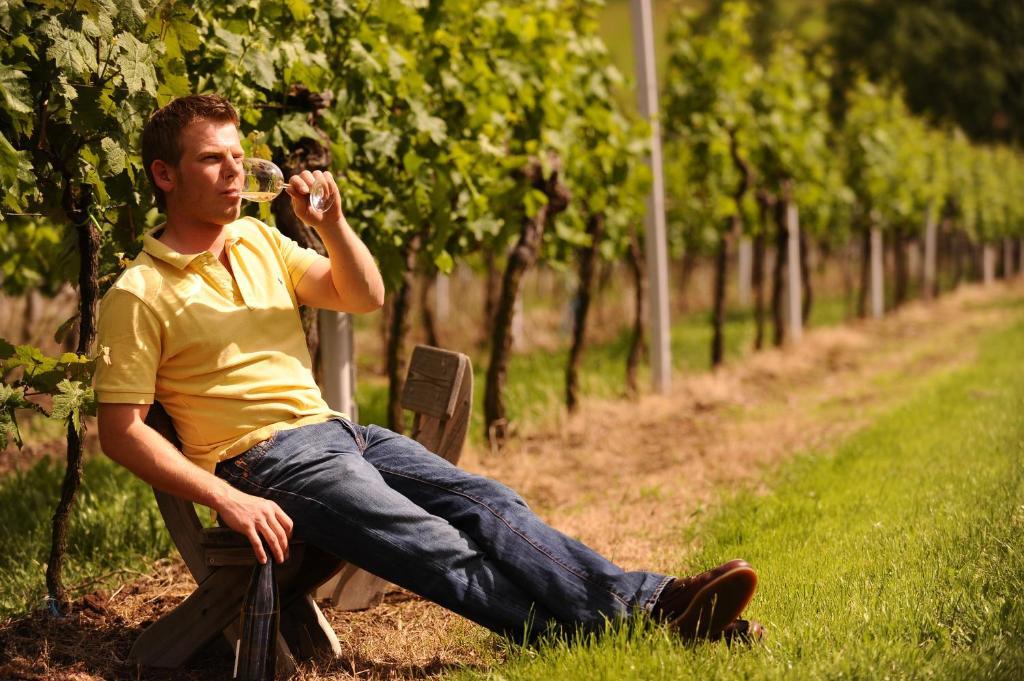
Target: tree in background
[{"x": 957, "y": 62}]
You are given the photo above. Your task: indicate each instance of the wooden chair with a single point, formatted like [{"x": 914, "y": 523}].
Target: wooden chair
[{"x": 439, "y": 390}]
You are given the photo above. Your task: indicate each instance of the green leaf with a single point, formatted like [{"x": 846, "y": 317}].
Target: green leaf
[
  {"x": 135, "y": 62},
  {"x": 70, "y": 49},
  {"x": 25, "y": 42},
  {"x": 295, "y": 127},
  {"x": 66, "y": 328},
  {"x": 432, "y": 125},
  {"x": 115, "y": 156},
  {"x": 261, "y": 65},
  {"x": 15, "y": 88},
  {"x": 70, "y": 401},
  {"x": 444, "y": 262},
  {"x": 11, "y": 399},
  {"x": 300, "y": 9}
]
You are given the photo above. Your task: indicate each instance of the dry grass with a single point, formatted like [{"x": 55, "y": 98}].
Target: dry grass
[{"x": 630, "y": 478}]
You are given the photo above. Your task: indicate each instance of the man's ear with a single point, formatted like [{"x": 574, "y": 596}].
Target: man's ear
[{"x": 163, "y": 175}]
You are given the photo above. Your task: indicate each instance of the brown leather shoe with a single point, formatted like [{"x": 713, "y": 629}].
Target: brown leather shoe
[
  {"x": 702, "y": 606},
  {"x": 743, "y": 632}
]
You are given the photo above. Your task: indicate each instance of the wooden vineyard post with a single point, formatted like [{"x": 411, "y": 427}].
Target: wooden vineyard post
[
  {"x": 877, "y": 274},
  {"x": 988, "y": 264},
  {"x": 337, "y": 353},
  {"x": 654, "y": 221},
  {"x": 930, "y": 249},
  {"x": 746, "y": 260},
  {"x": 442, "y": 297},
  {"x": 794, "y": 285},
  {"x": 914, "y": 258}
]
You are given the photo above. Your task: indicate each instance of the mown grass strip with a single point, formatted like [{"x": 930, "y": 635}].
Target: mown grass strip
[{"x": 898, "y": 555}]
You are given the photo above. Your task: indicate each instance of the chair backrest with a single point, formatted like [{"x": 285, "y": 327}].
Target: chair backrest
[{"x": 439, "y": 391}]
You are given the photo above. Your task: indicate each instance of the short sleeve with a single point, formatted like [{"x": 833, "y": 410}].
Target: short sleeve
[
  {"x": 130, "y": 330},
  {"x": 296, "y": 258}
]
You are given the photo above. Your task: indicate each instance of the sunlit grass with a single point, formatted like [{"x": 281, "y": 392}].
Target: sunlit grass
[{"x": 898, "y": 555}]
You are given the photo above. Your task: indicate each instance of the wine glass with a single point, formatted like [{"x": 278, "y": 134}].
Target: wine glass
[{"x": 263, "y": 181}]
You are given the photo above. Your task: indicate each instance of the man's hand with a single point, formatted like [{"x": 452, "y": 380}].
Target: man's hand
[
  {"x": 299, "y": 187},
  {"x": 256, "y": 517},
  {"x": 348, "y": 279}
]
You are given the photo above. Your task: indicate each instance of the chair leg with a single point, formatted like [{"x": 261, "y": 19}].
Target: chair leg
[
  {"x": 307, "y": 631},
  {"x": 286, "y": 664},
  {"x": 213, "y": 606}
]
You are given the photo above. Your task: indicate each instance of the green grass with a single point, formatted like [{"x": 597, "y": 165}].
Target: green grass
[
  {"x": 115, "y": 527},
  {"x": 897, "y": 555}
]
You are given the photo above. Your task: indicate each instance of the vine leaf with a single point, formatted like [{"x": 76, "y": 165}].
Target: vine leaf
[
  {"x": 71, "y": 400},
  {"x": 11, "y": 398},
  {"x": 135, "y": 63},
  {"x": 115, "y": 155}
]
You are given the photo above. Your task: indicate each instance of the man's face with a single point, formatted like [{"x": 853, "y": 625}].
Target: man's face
[{"x": 209, "y": 176}]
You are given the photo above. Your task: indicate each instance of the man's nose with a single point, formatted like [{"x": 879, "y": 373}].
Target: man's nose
[{"x": 233, "y": 168}]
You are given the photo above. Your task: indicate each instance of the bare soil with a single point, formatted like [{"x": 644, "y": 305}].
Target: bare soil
[{"x": 633, "y": 479}]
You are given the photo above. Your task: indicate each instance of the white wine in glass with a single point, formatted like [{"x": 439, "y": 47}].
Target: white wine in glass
[{"x": 264, "y": 181}]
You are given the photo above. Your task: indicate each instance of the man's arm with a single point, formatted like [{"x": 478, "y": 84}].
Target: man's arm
[
  {"x": 348, "y": 280},
  {"x": 125, "y": 438}
]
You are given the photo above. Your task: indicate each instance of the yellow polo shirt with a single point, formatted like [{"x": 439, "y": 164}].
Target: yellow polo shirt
[{"x": 225, "y": 355}]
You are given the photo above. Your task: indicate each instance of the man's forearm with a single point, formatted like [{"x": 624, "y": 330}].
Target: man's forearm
[
  {"x": 151, "y": 457},
  {"x": 354, "y": 272}
]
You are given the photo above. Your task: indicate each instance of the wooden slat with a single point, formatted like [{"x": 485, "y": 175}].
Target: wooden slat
[
  {"x": 445, "y": 436},
  {"x": 430, "y": 387},
  {"x": 223, "y": 537},
  {"x": 186, "y": 531},
  {"x": 179, "y": 515},
  {"x": 177, "y": 635},
  {"x": 307, "y": 631},
  {"x": 223, "y": 546},
  {"x": 354, "y": 589}
]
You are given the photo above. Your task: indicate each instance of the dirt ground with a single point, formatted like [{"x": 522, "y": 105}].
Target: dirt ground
[{"x": 632, "y": 479}]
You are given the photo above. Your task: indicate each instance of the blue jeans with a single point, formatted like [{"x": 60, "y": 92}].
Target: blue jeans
[{"x": 384, "y": 503}]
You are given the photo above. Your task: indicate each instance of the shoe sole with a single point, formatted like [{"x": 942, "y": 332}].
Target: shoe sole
[
  {"x": 716, "y": 605},
  {"x": 748, "y": 634}
]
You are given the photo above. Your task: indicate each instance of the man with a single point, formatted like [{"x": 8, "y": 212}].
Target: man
[{"x": 206, "y": 321}]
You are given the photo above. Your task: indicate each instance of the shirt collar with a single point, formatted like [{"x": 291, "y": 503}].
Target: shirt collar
[{"x": 161, "y": 251}]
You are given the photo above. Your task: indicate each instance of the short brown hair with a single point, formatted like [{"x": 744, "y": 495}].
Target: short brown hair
[{"x": 160, "y": 137}]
